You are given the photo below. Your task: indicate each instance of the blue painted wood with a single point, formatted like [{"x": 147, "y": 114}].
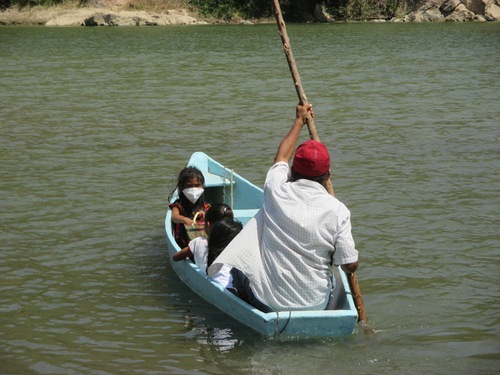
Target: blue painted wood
[{"x": 339, "y": 321}]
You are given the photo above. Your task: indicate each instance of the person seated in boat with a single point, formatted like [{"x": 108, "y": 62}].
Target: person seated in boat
[
  {"x": 190, "y": 188},
  {"x": 197, "y": 249},
  {"x": 282, "y": 260},
  {"x": 221, "y": 234}
]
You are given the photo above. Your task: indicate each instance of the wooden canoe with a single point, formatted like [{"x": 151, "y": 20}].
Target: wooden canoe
[{"x": 338, "y": 320}]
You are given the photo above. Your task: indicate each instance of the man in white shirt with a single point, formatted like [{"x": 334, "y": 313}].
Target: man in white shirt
[{"x": 283, "y": 257}]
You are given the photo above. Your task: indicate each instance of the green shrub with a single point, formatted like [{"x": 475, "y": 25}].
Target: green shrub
[
  {"x": 155, "y": 5},
  {"x": 227, "y": 9},
  {"x": 364, "y": 9},
  {"x": 29, "y": 3}
]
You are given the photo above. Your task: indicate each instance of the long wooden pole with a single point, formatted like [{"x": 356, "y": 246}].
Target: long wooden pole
[
  {"x": 296, "y": 78},
  {"x": 353, "y": 282}
]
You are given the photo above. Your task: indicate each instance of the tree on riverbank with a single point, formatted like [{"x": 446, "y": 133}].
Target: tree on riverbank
[{"x": 293, "y": 10}]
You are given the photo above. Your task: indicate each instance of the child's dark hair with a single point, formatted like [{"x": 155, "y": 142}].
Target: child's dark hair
[
  {"x": 184, "y": 175},
  {"x": 221, "y": 233},
  {"x": 217, "y": 212}
]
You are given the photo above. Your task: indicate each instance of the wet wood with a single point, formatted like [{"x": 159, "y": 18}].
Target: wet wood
[{"x": 358, "y": 300}]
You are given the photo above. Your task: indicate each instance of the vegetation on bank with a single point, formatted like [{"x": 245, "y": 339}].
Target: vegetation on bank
[
  {"x": 303, "y": 10},
  {"x": 293, "y": 10}
]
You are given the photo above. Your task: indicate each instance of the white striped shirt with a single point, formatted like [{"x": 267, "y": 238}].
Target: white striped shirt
[{"x": 288, "y": 248}]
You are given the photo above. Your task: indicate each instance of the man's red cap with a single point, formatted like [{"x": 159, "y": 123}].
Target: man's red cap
[{"x": 311, "y": 159}]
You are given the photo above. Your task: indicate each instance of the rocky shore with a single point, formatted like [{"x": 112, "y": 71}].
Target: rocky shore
[
  {"x": 95, "y": 16},
  {"x": 101, "y": 14},
  {"x": 456, "y": 11},
  {"x": 438, "y": 11},
  {"x": 124, "y": 18}
]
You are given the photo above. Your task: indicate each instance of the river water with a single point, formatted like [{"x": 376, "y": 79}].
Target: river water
[{"x": 96, "y": 123}]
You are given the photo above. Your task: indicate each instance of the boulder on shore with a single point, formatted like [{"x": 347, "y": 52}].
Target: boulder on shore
[
  {"x": 477, "y": 6},
  {"x": 92, "y": 17},
  {"x": 448, "y": 6},
  {"x": 429, "y": 12},
  {"x": 74, "y": 18},
  {"x": 492, "y": 12},
  {"x": 460, "y": 14},
  {"x": 455, "y": 11}
]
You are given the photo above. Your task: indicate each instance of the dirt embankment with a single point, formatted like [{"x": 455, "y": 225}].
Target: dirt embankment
[{"x": 109, "y": 13}]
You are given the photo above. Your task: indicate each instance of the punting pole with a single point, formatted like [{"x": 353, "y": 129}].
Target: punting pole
[{"x": 353, "y": 282}]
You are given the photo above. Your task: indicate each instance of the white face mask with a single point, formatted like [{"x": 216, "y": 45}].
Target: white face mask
[{"x": 193, "y": 194}]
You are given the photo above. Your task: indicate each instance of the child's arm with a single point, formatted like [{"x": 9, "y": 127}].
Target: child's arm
[
  {"x": 183, "y": 254},
  {"x": 179, "y": 219}
]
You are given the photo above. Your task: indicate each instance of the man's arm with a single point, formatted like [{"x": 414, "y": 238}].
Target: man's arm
[
  {"x": 287, "y": 146},
  {"x": 350, "y": 267}
]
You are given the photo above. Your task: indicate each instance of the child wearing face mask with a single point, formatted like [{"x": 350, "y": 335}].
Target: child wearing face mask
[{"x": 190, "y": 187}]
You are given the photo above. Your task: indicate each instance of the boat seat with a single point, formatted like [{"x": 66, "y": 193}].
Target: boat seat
[{"x": 213, "y": 180}]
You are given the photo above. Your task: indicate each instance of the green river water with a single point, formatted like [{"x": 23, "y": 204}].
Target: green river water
[{"x": 95, "y": 123}]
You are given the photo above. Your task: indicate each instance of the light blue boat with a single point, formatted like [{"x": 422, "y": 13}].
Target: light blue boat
[{"x": 339, "y": 319}]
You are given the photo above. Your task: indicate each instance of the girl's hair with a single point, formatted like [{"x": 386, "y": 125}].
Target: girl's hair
[
  {"x": 184, "y": 175},
  {"x": 221, "y": 233},
  {"x": 217, "y": 212}
]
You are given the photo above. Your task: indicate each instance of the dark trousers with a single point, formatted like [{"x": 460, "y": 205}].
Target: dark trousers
[{"x": 242, "y": 285}]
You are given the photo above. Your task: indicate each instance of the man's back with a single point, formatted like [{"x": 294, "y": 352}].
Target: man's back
[
  {"x": 283, "y": 256},
  {"x": 301, "y": 225}
]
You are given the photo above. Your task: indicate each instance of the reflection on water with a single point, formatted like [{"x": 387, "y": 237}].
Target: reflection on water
[
  {"x": 221, "y": 339},
  {"x": 96, "y": 122}
]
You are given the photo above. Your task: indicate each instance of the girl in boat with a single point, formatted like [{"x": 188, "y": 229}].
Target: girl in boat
[
  {"x": 190, "y": 188},
  {"x": 198, "y": 249},
  {"x": 221, "y": 234}
]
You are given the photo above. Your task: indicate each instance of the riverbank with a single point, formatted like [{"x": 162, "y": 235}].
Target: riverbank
[
  {"x": 116, "y": 13},
  {"x": 107, "y": 14}
]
